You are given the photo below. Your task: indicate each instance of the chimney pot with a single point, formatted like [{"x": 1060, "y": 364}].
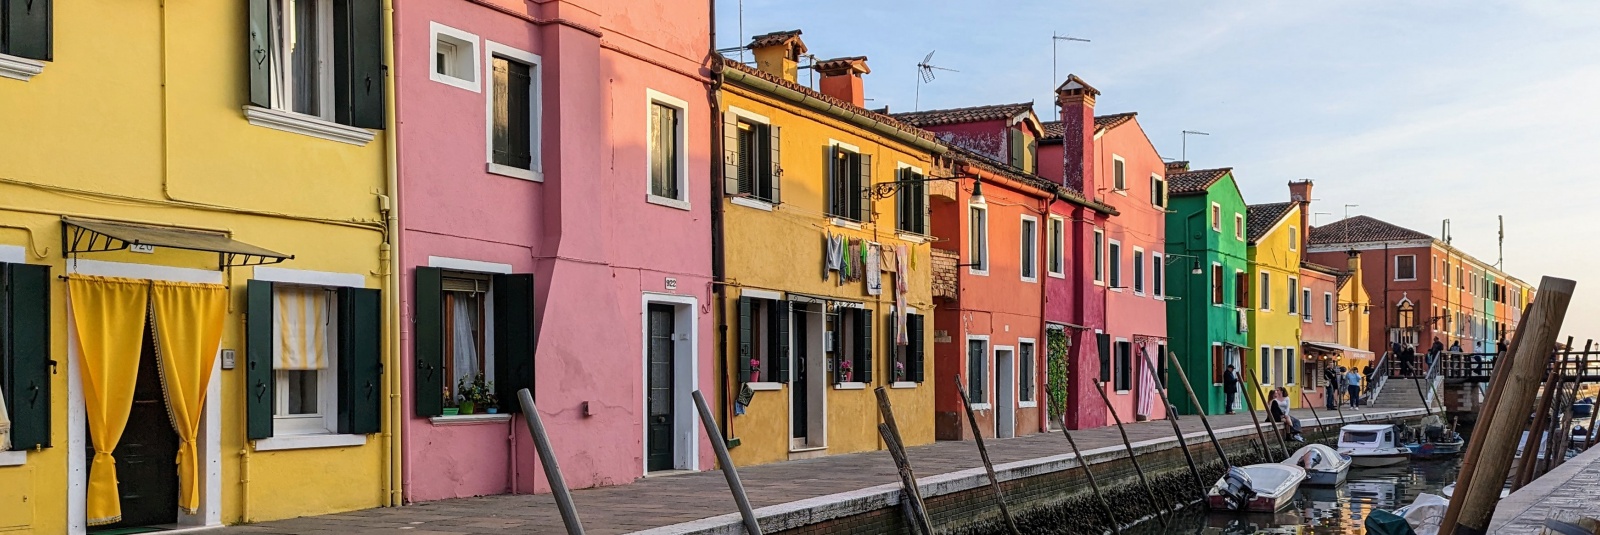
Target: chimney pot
[
  {"x": 841, "y": 78},
  {"x": 1300, "y": 192},
  {"x": 1076, "y": 100},
  {"x": 778, "y": 53},
  {"x": 1180, "y": 166}
]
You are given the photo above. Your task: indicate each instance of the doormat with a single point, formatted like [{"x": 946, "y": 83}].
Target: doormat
[{"x": 124, "y": 531}]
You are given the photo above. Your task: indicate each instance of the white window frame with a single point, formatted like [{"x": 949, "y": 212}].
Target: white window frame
[
  {"x": 1218, "y": 287},
  {"x": 1029, "y": 246},
  {"x": 653, "y": 97},
  {"x": 1057, "y": 242},
  {"x": 467, "y": 58},
  {"x": 1034, "y": 388},
  {"x": 988, "y": 369},
  {"x": 1158, "y": 187},
  {"x": 760, "y": 347},
  {"x": 1328, "y": 308},
  {"x": 983, "y": 253},
  {"x": 1264, "y": 377},
  {"x": 1238, "y": 226},
  {"x": 1434, "y": 268},
  {"x": 751, "y": 201},
  {"x": 1116, "y": 370},
  {"x": 1114, "y": 276},
  {"x": 1139, "y": 273},
  {"x": 1294, "y": 238},
  {"x": 1264, "y": 292},
  {"x": 927, "y": 206},
  {"x": 283, "y": 96},
  {"x": 1292, "y": 287},
  {"x": 1119, "y": 185},
  {"x": 1099, "y": 257},
  {"x": 1216, "y": 217},
  {"x": 535, "y": 107},
  {"x": 1305, "y": 304},
  {"x": 326, "y": 421},
  {"x": 1414, "y": 269},
  {"x": 1158, "y": 273}
]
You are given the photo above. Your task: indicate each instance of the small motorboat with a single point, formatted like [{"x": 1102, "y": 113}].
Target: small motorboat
[
  {"x": 1324, "y": 466},
  {"x": 1257, "y": 488},
  {"x": 1434, "y": 439},
  {"x": 1373, "y": 445},
  {"x": 1449, "y": 491}
]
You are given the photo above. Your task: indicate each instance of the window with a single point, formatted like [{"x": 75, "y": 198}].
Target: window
[
  {"x": 1024, "y": 148},
  {"x": 455, "y": 57},
  {"x": 304, "y": 360},
  {"x": 852, "y": 346},
  {"x": 1238, "y": 227},
  {"x": 1218, "y": 364},
  {"x": 315, "y": 351},
  {"x": 763, "y": 340},
  {"x": 1138, "y": 271},
  {"x": 468, "y": 326},
  {"x": 1294, "y": 238},
  {"x": 1030, "y": 248},
  {"x": 1161, "y": 365},
  {"x": 911, "y": 202},
  {"x": 1124, "y": 366},
  {"x": 1447, "y": 272},
  {"x": 908, "y": 359},
  {"x": 1289, "y": 364},
  {"x": 1099, "y": 256},
  {"x": 1279, "y": 367},
  {"x": 1305, "y": 301},
  {"x": 1216, "y": 284},
  {"x": 307, "y": 68},
  {"x": 1216, "y": 217},
  {"x": 1265, "y": 367},
  {"x": 303, "y": 57},
  {"x": 849, "y": 177},
  {"x": 977, "y": 371},
  {"x": 1119, "y": 178},
  {"x": 668, "y": 149},
  {"x": 1405, "y": 267},
  {"x": 1057, "y": 246},
  {"x": 1158, "y": 268},
  {"x": 978, "y": 240},
  {"x": 1158, "y": 191},
  {"x": 1241, "y": 289},
  {"x": 25, "y": 359},
  {"x": 1294, "y": 296},
  {"x": 1266, "y": 291},
  {"x": 751, "y": 163},
  {"x": 1434, "y": 267},
  {"x": 26, "y": 29},
  {"x": 513, "y": 113},
  {"x": 1025, "y": 374},
  {"x": 1103, "y": 349},
  {"x": 1114, "y": 252}
]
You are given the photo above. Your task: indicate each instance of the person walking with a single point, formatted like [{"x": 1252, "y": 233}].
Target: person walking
[
  {"x": 1434, "y": 351},
  {"x": 1230, "y": 387},
  {"x": 1330, "y": 390},
  {"x": 1366, "y": 372},
  {"x": 1354, "y": 378},
  {"x": 1395, "y": 366},
  {"x": 1408, "y": 360}
]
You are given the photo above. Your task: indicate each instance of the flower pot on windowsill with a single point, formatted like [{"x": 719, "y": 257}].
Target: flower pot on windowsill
[
  {"x": 451, "y": 411},
  {"x": 466, "y": 407},
  {"x": 492, "y": 410}
]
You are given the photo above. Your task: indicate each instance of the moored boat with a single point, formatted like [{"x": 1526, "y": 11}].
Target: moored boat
[
  {"x": 1259, "y": 488},
  {"x": 1324, "y": 466},
  {"x": 1373, "y": 445}
]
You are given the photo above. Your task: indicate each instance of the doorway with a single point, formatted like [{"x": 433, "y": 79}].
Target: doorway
[
  {"x": 1005, "y": 392},
  {"x": 808, "y": 386},
  {"x": 148, "y": 489},
  {"x": 659, "y": 450}
]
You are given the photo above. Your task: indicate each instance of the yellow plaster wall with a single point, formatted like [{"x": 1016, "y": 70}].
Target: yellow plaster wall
[
  {"x": 782, "y": 250},
  {"x": 1276, "y": 327},
  {"x": 140, "y": 118}
]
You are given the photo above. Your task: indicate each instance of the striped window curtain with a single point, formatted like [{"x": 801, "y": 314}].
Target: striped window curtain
[
  {"x": 1147, "y": 384},
  {"x": 300, "y": 323}
]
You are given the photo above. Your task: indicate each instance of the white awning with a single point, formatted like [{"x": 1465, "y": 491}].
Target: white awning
[{"x": 1346, "y": 351}]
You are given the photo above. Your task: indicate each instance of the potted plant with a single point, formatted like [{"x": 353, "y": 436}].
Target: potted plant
[
  {"x": 491, "y": 402},
  {"x": 755, "y": 370},
  {"x": 899, "y": 371},
  {"x": 475, "y": 395},
  {"x": 450, "y": 408},
  {"x": 845, "y": 369}
]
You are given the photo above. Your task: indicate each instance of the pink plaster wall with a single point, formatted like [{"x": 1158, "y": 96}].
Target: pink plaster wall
[
  {"x": 585, "y": 232},
  {"x": 1139, "y": 224}
]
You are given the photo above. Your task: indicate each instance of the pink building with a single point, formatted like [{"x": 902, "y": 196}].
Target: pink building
[{"x": 527, "y": 132}]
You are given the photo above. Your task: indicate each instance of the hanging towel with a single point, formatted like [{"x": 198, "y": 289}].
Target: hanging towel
[
  {"x": 900, "y": 269},
  {"x": 833, "y": 254},
  {"x": 874, "y": 275},
  {"x": 901, "y": 338},
  {"x": 886, "y": 260}
]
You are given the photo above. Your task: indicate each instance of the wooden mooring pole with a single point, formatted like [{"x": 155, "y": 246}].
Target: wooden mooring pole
[
  {"x": 1111, "y": 518},
  {"x": 1100, "y": 388},
  {"x": 977, "y": 436},
  {"x": 729, "y": 471},
  {"x": 552, "y": 470},
  {"x": 916, "y": 508},
  {"x": 1320, "y": 425},
  {"x": 1263, "y": 397},
  {"x": 1536, "y": 443},
  {"x": 1172, "y": 418},
  {"x": 1541, "y": 328},
  {"x": 1172, "y": 358},
  {"x": 1497, "y": 383}
]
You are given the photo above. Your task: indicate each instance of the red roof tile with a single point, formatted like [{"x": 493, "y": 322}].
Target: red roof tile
[
  {"x": 1259, "y": 218},
  {"x": 972, "y": 114},
  {"x": 1052, "y": 129},
  {"x": 1195, "y": 182},
  {"x": 1362, "y": 229}
]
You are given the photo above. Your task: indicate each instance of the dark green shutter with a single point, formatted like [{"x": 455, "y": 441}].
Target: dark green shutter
[
  {"x": 830, "y": 167},
  {"x": 27, "y": 30},
  {"x": 258, "y": 390},
  {"x": 25, "y": 318},
  {"x": 914, "y": 357},
  {"x": 427, "y": 337},
  {"x": 837, "y": 344},
  {"x": 360, "y": 374},
  {"x": 774, "y": 164},
  {"x": 1104, "y": 342},
  {"x": 259, "y": 53},
  {"x": 515, "y": 338},
  {"x": 863, "y": 210},
  {"x": 730, "y": 153},
  {"x": 358, "y": 63},
  {"x": 864, "y": 345},
  {"x": 745, "y": 352},
  {"x": 778, "y": 326}
]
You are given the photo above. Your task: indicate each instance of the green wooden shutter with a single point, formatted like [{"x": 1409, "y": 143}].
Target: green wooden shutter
[
  {"x": 258, "y": 390},
  {"x": 515, "y": 337},
  {"x": 864, "y": 345},
  {"x": 358, "y": 63},
  {"x": 360, "y": 375},
  {"x": 1103, "y": 340},
  {"x": 745, "y": 352},
  {"x": 27, "y": 29},
  {"x": 863, "y": 210},
  {"x": 836, "y": 345},
  {"x": 778, "y": 325},
  {"x": 427, "y": 337},
  {"x": 25, "y": 319},
  {"x": 774, "y": 163},
  {"x": 730, "y": 153},
  {"x": 259, "y": 53},
  {"x": 830, "y": 156},
  {"x": 914, "y": 358}
]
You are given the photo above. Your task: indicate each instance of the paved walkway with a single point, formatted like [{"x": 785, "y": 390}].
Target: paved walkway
[
  {"x": 1573, "y": 487},
  {"x": 655, "y": 502}
]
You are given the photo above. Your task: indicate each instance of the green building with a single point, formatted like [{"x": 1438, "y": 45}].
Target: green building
[{"x": 1209, "y": 277}]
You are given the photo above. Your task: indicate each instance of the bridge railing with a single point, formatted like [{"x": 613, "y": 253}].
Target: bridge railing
[{"x": 1481, "y": 366}]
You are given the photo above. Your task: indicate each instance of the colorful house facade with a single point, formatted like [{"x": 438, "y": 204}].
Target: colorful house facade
[
  {"x": 224, "y": 248},
  {"x": 1273, "y": 240},
  {"x": 1335, "y": 329},
  {"x": 555, "y": 208},
  {"x": 1208, "y": 324},
  {"x": 825, "y": 236}
]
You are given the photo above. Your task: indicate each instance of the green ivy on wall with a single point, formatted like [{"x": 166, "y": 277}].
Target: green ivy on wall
[{"x": 1056, "y": 367}]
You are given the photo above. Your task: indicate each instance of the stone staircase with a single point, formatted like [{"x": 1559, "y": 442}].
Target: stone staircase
[{"x": 1400, "y": 393}]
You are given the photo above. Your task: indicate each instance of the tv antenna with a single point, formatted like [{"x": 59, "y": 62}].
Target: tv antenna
[
  {"x": 925, "y": 75},
  {"x": 1056, "y": 39},
  {"x": 1186, "y": 134}
]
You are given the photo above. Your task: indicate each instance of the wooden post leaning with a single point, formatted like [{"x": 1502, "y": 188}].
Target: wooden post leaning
[
  {"x": 918, "y": 509},
  {"x": 1077, "y": 454},
  {"x": 1569, "y": 397},
  {"x": 552, "y": 470},
  {"x": 1276, "y": 431},
  {"x": 1172, "y": 418},
  {"x": 1320, "y": 426},
  {"x": 977, "y": 436},
  {"x": 1172, "y": 358},
  {"x": 1536, "y": 443},
  {"x": 1497, "y": 383},
  {"x": 1542, "y": 326},
  {"x": 1100, "y": 388},
  {"x": 729, "y": 471}
]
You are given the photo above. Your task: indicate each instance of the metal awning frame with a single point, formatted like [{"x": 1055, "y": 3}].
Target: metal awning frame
[{"x": 76, "y": 239}]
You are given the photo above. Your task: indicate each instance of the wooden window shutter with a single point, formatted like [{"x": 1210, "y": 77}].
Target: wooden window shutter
[
  {"x": 27, "y": 32},
  {"x": 515, "y": 338},
  {"x": 360, "y": 374},
  {"x": 427, "y": 337},
  {"x": 259, "y": 53},
  {"x": 914, "y": 351},
  {"x": 730, "y": 154},
  {"x": 25, "y": 352},
  {"x": 745, "y": 351},
  {"x": 774, "y": 163},
  {"x": 837, "y": 344},
  {"x": 358, "y": 63},
  {"x": 259, "y": 386},
  {"x": 902, "y": 199},
  {"x": 864, "y": 344},
  {"x": 863, "y": 210},
  {"x": 1103, "y": 340},
  {"x": 778, "y": 341},
  {"x": 830, "y": 169}
]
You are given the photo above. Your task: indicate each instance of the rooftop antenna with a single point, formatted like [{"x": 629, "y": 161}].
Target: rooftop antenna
[
  {"x": 925, "y": 75},
  {"x": 1315, "y": 214},
  {"x": 741, "y": 29},
  {"x": 1186, "y": 134},
  {"x": 1055, "y": 81},
  {"x": 1499, "y": 263},
  {"x": 1347, "y": 208},
  {"x": 1445, "y": 232}
]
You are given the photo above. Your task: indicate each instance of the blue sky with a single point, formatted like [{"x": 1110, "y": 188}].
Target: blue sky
[{"x": 1415, "y": 111}]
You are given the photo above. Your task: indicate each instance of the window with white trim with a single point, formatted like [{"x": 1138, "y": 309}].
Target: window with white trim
[
  {"x": 1119, "y": 175},
  {"x": 1305, "y": 301},
  {"x": 1405, "y": 268},
  {"x": 455, "y": 57},
  {"x": 1264, "y": 366},
  {"x": 1265, "y": 289},
  {"x": 1099, "y": 256},
  {"x": 513, "y": 112},
  {"x": 911, "y": 201},
  {"x": 978, "y": 239},
  {"x": 752, "y": 169},
  {"x": 1029, "y": 239},
  {"x": 849, "y": 180},
  {"x": 305, "y": 359},
  {"x": 977, "y": 370},
  {"x": 1124, "y": 356},
  {"x": 668, "y": 147},
  {"x": 1216, "y": 217},
  {"x": 1158, "y": 273},
  {"x": 1158, "y": 191},
  {"x": 302, "y": 59},
  {"x": 1294, "y": 295},
  {"x": 1114, "y": 254},
  {"x": 1217, "y": 277},
  {"x": 1057, "y": 246},
  {"x": 1294, "y": 238},
  {"x": 1025, "y": 374},
  {"x": 1238, "y": 227},
  {"x": 1327, "y": 309},
  {"x": 1138, "y": 271}
]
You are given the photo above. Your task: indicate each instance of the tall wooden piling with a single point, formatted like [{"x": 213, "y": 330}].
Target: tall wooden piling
[
  {"x": 1537, "y": 433},
  {"x": 1172, "y": 358},
  {"x": 1172, "y": 418},
  {"x": 1128, "y": 444},
  {"x": 1111, "y": 518},
  {"x": 552, "y": 469},
  {"x": 1540, "y": 329},
  {"x": 915, "y": 506},
  {"x": 1497, "y": 383},
  {"x": 977, "y": 436},
  {"x": 1277, "y": 431}
]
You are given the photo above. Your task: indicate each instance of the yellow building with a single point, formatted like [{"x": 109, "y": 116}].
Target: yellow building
[
  {"x": 192, "y": 234},
  {"x": 1273, "y": 237},
  {"x": 806, "y": 344}
]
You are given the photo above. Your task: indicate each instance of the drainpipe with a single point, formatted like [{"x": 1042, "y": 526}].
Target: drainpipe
[
  {"x": 387, "y": 253},
  {"x": 718, "y": 262}
]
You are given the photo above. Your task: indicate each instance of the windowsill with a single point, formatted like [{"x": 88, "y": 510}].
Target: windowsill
[
  {"x": 1414, "y": 279},
  {"x": 1027, "y": 404},
  {"x": 306, "y": 442},
  {"x": 665, "y": 201},
  {"x": 903, "y": 384},
  {"x": 449, "y": 80},
  {"x": 850, "y": 386},
  {"x": 303, "y": 124},
  {"x": 751, "y": 202},
  {"x": 1124, "y": 392},
  {"x": 980, "y": 406},
  {"x": 19, "y": 68},
  {"x": 910, "y": 237},
  {"x": 807, "y": 448},
  {"x": 1116, "y": 289},
  {"x": 1138, "y": 293},
  {"x": 846, "y": 223},
  {"x": 515, "y": 172},
  {"x": 1058, "y": 275},
  {"x": 468, "y": 419},
  {"x": 978, "y": 272},
  {"x": 13, "y": 458},
  {"x": 765, "y": 386},
  {"x": 1031, "y": 280}
]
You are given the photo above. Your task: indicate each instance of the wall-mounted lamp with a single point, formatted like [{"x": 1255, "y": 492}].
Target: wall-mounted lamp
[
  {"x": 1195, "y": 270},
  {"x": 977, "y": 193}
]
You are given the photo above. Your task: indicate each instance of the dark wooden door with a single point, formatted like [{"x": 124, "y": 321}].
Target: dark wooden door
[
  {"x": 797, "y": 390},
  {"x": 658, "y": 436},
  {"x": 147, "y": 477}
]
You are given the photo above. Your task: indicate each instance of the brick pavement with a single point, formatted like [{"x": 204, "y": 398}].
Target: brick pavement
[
  {"x": 1573, "y": 487},
  {"x": 654, "y": 502}
]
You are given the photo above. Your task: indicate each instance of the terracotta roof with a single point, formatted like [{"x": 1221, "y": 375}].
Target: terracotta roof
[
  {"x": 972, "y": 114},
  {"x": 734, "y": 64},
  {"x": 774, "y": 39},
  {"x": 1323, "y": 269},
  {"x": 1361, "y": 229},
  {"x": 1259, "y": 218},
  {"x": 1052, "y": 129},
  {"x": 978, "y": 159},
  {"x": 1195, "y": 182}
]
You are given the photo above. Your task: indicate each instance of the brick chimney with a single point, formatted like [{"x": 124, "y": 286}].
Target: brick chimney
[
  {"x": 778, "y": 53},
  {"x": 1300, "y": 192},
  {"x": 1076, "y": 99},
  {"x": 841, "y": 78},
  {"x": 1179, "y": 166}
]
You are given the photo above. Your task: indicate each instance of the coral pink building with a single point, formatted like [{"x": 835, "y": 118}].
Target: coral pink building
[{"x": 553, "y": 168}]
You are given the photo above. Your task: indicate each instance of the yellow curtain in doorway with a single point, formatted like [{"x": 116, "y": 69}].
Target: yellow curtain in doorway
[
  {"x": 109, "y": 314},
  {"x": 188, "y": 326}
]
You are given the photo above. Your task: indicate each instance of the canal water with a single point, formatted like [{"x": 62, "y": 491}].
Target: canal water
[{"x": 1320, "y": 510}]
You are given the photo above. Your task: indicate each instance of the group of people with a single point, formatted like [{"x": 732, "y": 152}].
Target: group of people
[
  {"x": 1406, "y": 355},
  {"x": 1345, "y": 385}
]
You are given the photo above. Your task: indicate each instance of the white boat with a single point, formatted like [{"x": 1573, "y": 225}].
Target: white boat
[
  {"x": 1373, "y": 445},
  {"x": 1324, "y": 466},
  {"x": 1449, "y": 491},
  {"x": 1258, "y": 488}
]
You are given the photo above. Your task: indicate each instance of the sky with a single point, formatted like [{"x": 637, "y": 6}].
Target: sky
[{"x": 1415, "y": 111}]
